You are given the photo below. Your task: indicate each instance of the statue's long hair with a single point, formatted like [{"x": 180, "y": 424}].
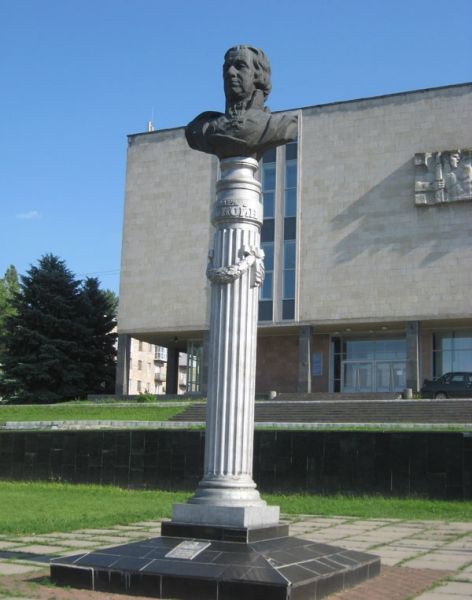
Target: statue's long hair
[{"x": 262, "y": 73}]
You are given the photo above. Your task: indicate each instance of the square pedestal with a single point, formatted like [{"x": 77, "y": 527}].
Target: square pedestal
[
  {"x": 211, "y": 563},
  {"x": 226, "y": 516}
]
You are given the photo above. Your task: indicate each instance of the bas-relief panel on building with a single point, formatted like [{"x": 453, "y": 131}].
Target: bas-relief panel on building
[{"x": 443, "y": 176}]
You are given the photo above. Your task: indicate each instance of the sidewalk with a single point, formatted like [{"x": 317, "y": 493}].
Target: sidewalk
[{"x": 427, "y": 560}]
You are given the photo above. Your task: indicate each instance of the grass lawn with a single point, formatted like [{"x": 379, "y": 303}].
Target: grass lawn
[
  {"x": 32, "y": 507},
  {"x": 77, "y": 412}
]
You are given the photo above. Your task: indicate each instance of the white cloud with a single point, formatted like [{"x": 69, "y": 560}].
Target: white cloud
[{"x": 32, "y": 214}]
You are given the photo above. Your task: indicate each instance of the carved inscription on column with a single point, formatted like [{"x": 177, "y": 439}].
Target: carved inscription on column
[{"x": 443, "y": 176}]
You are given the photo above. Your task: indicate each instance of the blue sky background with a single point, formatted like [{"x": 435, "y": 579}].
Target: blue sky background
[{"x": 77, "y": 76}]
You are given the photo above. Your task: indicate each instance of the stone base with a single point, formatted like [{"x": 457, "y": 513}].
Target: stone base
[
  {"x": 225, "y": 516},
  {"x": 224, "y": 534},
  {"x": 279, "y": 568}
]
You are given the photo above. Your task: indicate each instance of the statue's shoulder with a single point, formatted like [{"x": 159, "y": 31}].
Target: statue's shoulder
[
  {"x": 196, "y": 129},
  {"x": 286, "y": 124},
  {"x": 204, "y": 118},
  {"x": 280, "y": 129}
]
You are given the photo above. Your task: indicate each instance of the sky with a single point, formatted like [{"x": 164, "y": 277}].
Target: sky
[{"x": 78, "y": 76}]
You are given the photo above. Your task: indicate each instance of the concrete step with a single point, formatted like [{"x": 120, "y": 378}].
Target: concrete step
[
  {"x": 286, "y": 397},
  {"x": 367, "y": 411}
]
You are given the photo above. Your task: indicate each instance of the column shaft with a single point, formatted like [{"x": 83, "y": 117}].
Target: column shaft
[
  {"x": 304, "y": 360},
  {"x": 122, "y": 365}
]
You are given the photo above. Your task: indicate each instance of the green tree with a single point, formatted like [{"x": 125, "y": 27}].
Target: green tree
[
  {"x": 99, "y": 318},
  {"x": 44, "y": 357},
  {"x": 9, "y": 287}
]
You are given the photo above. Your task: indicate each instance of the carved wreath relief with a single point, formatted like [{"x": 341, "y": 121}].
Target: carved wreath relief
[
  {"x": 444, "y": 176},
  {"x": 249, "y": 258}
]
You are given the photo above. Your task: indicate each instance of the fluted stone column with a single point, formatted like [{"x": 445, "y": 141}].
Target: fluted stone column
[
  {"x": 227, "y": 494},
  {"x": 122, "y": 365}
]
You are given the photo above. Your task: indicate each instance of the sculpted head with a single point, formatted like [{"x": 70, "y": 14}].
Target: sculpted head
[
  {"x": 246, "y": 70},
  {"x": 454, "y": 158}
]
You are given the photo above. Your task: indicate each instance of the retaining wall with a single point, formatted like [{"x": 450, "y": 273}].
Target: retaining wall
[{"x": 436, "y": 465}]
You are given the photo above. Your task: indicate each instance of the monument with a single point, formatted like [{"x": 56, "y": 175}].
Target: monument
[
  {"x": 225, "y": 543},
  {"x": 227, "y": 495}
]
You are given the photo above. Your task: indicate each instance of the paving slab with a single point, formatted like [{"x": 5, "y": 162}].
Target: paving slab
[
  {"x": 371, "y": 524},
  {"x": 460, "y": 544},
  {"x": 70, "y": 543},
  {"x": 348, "y": 544},
  {"x": 428, "y": 562},
  {"x": 433, "y": 596},
  {"x": 454, "y": 588},
  {"x": 386, "y": 552},
  {"x": 33, "y": 539},
  {"x": 468, "y": 568},
  {"x": 7, "y": 545},
  {"x": 424, "y": 544},
  {"x": 9, "y": 568},
  {"x": 41, "y": 549},
  {"x": 95, "y": 531},
  {"x": 17, "y": 597},
  {"x": 393, "y": 583},
  {"x": 109, "y": 539},
  {"x": 321, "y": 521}
]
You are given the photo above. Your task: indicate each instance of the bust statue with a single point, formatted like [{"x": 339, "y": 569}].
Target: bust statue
[{"x": 246, "y": 128}]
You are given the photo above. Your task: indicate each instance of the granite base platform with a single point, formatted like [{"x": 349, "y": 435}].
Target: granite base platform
[{"x": 194, "y": 562}]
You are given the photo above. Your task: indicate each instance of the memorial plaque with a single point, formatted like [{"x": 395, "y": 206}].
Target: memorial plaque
[{"x": 188, "y": 549}]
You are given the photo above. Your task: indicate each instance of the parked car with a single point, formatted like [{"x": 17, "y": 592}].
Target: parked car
[{"x": 449, "y": 385}]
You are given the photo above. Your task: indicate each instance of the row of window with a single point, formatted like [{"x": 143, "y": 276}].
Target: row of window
[
  {"x": 452, "y": 351},
  {"x": 378, "y": 365},
  {"x": 160, "y": 352},
  {"x": 285, "y": 206}
]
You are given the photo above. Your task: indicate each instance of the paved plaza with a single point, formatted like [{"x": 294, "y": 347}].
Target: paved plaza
[{"x": 428, "y": 560}]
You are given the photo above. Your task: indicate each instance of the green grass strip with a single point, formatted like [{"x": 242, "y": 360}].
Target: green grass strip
[
  {"x": 35, "y": 507},
  {"x": 76, "y": 412}
]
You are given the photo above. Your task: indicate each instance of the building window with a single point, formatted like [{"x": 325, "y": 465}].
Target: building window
[
  {"x": 452, "y": 351},
  {"x": 140, "y": 365},
  {"x": 140, "y": 346},
  {"x": 279, "y": 233},
  {"x": 139, "y": 387},
  {"x": 289, "y": 232},
  {"x": 160, "y": 353},
  {"x": 268, "y": 176},
  {"x": 288, "y": 278}
]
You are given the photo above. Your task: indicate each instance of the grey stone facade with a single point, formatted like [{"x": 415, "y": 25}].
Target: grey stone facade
[{"x": 370, "y": 259}]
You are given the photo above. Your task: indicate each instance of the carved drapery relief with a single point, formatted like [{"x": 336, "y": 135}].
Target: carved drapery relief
[{"x": 443, "y": 176}]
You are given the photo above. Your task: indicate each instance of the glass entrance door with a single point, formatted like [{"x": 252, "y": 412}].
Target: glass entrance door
[
  {"x": 370, "y": 364},
  {"x": 390, "y": 376},
  {"x": 357, "y": 377}
]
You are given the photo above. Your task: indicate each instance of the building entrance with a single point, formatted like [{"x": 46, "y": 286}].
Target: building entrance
[
  {"x": 369, "y": 365},
  {"x": 375, "y": 376}
]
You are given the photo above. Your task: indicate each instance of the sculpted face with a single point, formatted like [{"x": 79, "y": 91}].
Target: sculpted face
[
  {"x": 454, "y": 159},
  {"x": 238, "y": 75}
]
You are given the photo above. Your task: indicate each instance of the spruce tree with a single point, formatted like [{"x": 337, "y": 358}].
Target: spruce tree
[
  {"x": 44, "y": 340},
  {"x": 99, "y": 318}
]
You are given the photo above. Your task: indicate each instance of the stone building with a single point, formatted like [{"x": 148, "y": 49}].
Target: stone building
[
  {"x": 146, "y": 371},
  {"x": 367, "y": 235}
]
